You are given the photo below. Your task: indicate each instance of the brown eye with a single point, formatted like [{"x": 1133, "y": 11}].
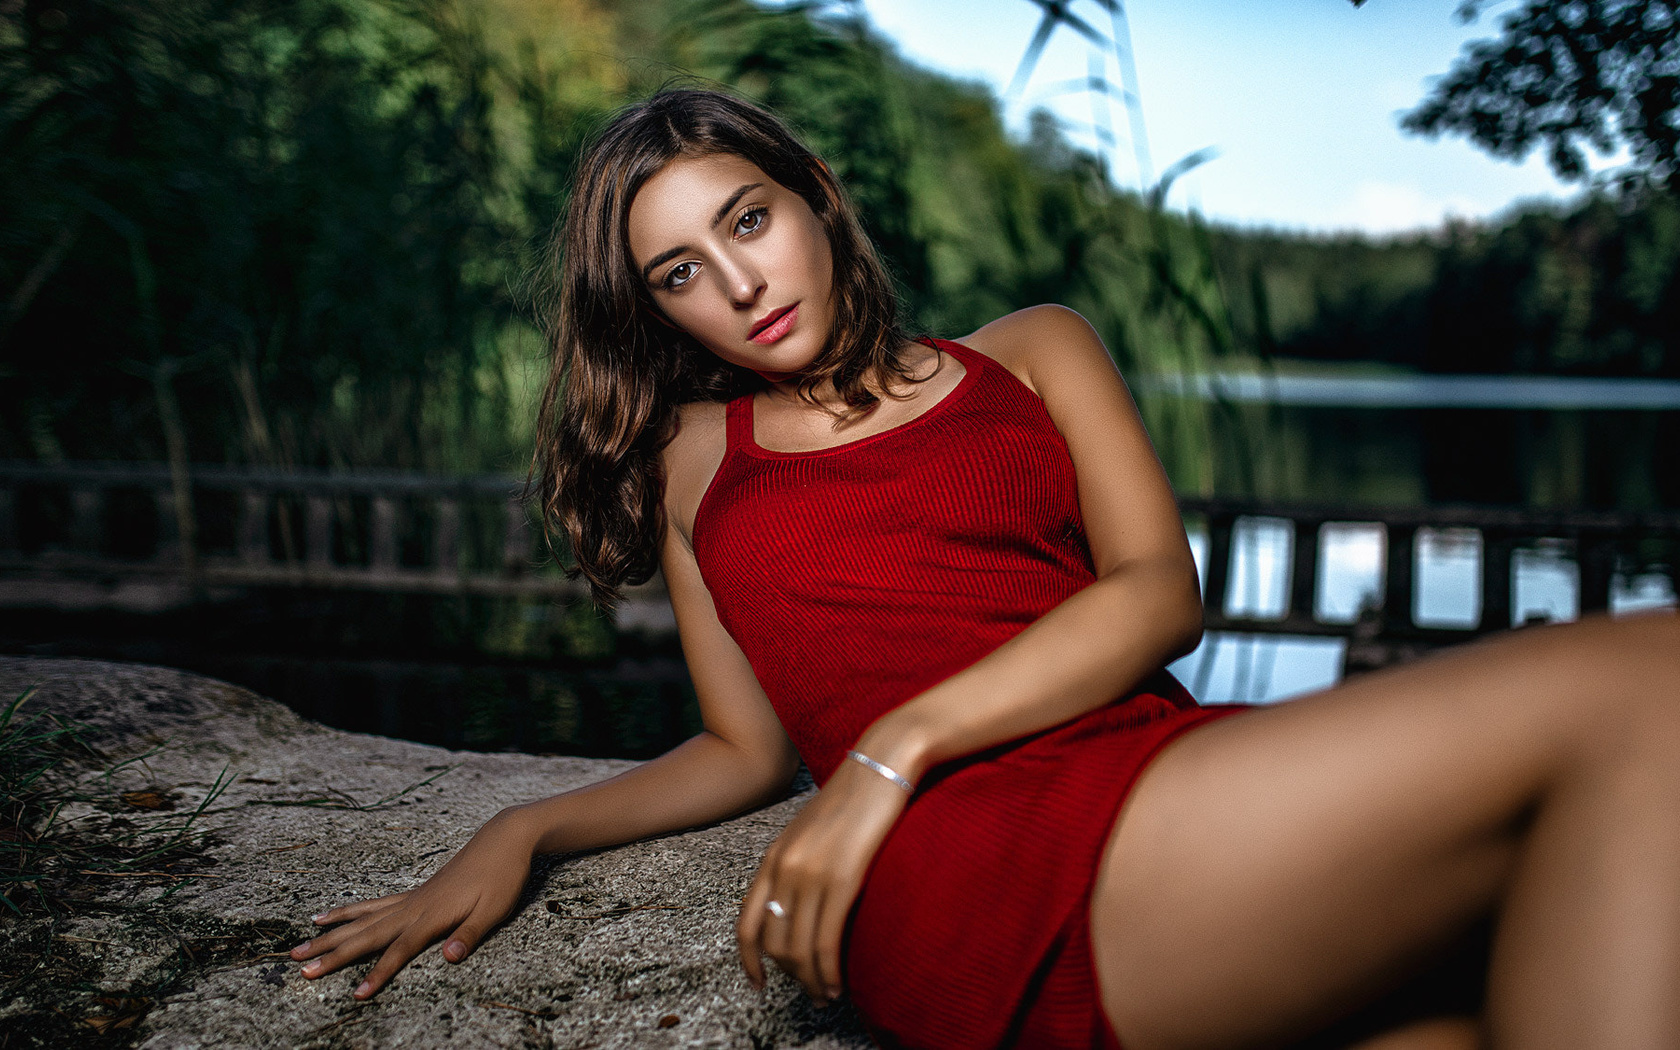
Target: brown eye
[
  {"x": 750, "y": 221},
  {"x": 679, "y": 275}
]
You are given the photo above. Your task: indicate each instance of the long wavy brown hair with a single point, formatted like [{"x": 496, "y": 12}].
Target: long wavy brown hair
[{"x": 618, "y": 373}]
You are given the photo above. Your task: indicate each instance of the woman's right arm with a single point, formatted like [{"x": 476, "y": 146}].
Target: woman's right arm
[{"x": 741, "y": 760}]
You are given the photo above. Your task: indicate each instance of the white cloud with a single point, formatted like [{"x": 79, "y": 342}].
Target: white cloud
[{"x": 1396, "y": 207}]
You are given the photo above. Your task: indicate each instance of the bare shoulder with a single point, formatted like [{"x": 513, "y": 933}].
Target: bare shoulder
[
  {"x": 1124, "y": 495},
  {"x": 1060, "y": 357},
  {"x": 691, "y": 459},
  {"x": 1040, "y": 343}
]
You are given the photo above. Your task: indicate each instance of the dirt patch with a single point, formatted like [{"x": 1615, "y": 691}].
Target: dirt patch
[
  {"x": 71, "y": 989},
  {"x": 93, "y": 941}
]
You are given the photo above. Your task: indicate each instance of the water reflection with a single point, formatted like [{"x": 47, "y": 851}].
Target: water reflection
[
  {"x": 1350, "y": 555},
  {"x": 1259, "y": 584},
  {"x": 1556, "y": 393},
  {"x": 1448, "y": 592}
]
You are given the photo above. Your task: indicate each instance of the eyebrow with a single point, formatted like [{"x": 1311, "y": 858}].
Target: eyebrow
[
  {"x": 734, "y": 198},
  {"x": 723, "y": 209}
]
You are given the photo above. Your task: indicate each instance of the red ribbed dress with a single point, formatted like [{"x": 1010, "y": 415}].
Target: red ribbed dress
[{"x": 855, "y": 577}]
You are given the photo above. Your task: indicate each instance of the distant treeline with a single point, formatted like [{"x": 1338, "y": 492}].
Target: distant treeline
[
  {"x": 1591, "y": 288},
  {"x": 307, "y": 233}
]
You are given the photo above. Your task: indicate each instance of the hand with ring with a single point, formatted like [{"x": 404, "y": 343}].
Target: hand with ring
[{"x": 796, "y": 909}]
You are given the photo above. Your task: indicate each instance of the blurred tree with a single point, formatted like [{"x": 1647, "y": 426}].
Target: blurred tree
[
  {"x": 1565, "y": 75},
  {"x": 271, "y": 232},
  {"x": 1591, "y": 289},
  {"x": 300, "y": 220},
  {"x": 292, "y": 232}
]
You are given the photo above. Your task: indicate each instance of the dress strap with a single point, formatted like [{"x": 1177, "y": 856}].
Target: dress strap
[
  {"x": 973, "y": 360},
  {"x": 740, "y": 421}
]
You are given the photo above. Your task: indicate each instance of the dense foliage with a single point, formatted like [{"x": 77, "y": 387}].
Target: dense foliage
[
  {"x": 298, "y": 233},
  {"x": 1587, "y": 289},
  {"x": 239, "y": 229},
  {"x": 301, "y": 232},
  {"x": 1568, "y": 74}
]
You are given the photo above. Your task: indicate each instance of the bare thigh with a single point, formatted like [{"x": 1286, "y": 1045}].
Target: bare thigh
[{"x": 1272, "y": 870}]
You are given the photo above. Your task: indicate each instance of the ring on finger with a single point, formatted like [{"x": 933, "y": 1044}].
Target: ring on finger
[{"x": 775, "y": 908}]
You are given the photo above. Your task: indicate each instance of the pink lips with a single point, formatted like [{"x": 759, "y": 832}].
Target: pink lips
[{"x": 775, "y": 326}]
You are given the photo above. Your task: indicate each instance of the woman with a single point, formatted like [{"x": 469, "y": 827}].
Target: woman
[{"x": 929, "y": 569}]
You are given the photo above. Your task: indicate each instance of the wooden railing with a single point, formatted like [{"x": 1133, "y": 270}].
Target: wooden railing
[
  {"x": 1602, "y": 544},
  {"x": 393, "y": 532},
  {"x": 102, "y": 524}
]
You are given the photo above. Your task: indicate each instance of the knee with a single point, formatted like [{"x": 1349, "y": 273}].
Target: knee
[
  {"x": 1644, "y": 711},
  {"x": 1652, "y": 655},
  {"x": 1666, "y": 626},
  {"x": 1610, "y": 689}
]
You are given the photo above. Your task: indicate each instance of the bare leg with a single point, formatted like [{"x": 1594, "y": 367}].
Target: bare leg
[
  {"x": 1443, "y": 1033},
  {"x": 1273, "y": 871}
]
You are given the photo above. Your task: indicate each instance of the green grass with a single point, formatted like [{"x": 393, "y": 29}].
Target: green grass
[
  {"x": 74, "y": 846},
  {"x": 47, "y": 862},
  {"x": 36, "y": 754}
]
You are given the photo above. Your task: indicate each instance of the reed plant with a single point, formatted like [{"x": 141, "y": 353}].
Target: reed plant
[
  {"x": 36, "y": 753},
  {"x": 48, "y": 859}
]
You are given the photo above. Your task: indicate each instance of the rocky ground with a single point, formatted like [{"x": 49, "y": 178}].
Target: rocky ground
[{"x": 176, "y": 846}]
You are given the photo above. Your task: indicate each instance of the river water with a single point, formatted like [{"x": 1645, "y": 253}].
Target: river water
[{"x": 1351, "y": 436}]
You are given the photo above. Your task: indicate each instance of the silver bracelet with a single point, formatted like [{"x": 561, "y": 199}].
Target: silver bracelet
[{"x": 863, "y": 759}]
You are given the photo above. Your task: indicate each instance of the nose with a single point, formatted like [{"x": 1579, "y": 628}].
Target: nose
[{"x": 742, "y": 281}]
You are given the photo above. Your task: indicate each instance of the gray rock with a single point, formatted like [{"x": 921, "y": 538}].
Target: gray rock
[{"x": 628, "y": 947}]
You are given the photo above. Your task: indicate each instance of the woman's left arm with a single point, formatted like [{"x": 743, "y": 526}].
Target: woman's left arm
[{"x": 1143, "y": 610}]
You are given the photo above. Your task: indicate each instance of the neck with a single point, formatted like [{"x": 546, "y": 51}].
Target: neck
[
  {"x": 922, "y": 361},
  {"x": 785, "y": 386}
]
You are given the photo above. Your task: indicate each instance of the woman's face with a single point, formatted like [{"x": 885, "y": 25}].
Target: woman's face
[{"x": 737, "y": 261}]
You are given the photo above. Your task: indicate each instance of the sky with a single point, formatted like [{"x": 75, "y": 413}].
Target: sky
[{"x": 1299, "y": 97}]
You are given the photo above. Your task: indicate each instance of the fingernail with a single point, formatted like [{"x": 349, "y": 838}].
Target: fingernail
[
  {"x": 302, "y": 947},
  {"x": 363, "y": 990},
  {"x": 454, "y": 950},
  {"x": 312, "y": 967},
  {"x": 318, "y": 918},
  {"x": 833, "y": 994}
]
